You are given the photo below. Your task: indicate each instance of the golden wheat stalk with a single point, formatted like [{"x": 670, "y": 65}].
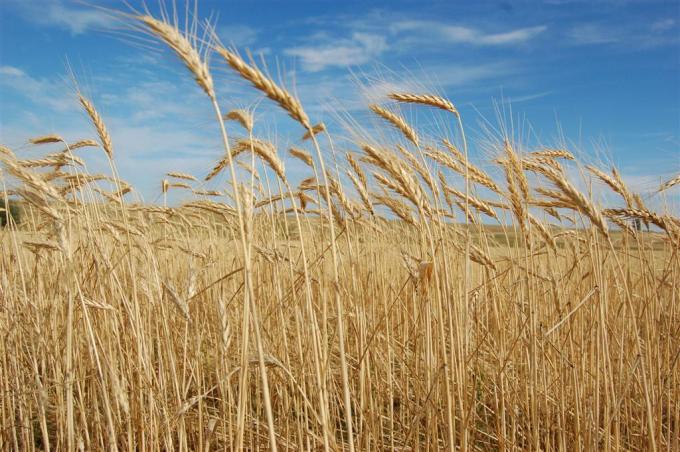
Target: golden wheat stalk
[
  {"x": 183, "y": 45},
  {"x": 554, "y": 154},
  {"x": 266, "y": 85},
  {"x": 579, "y": 202},
  {"x": 46, "y": 139},
  {"x": 363, "y": 192},
  {"x": 669, "y": 183},
  {"x": 263, "y": 149},
  {"x": 243, "y": 117},
  {"x": 517, "y": 169},
  {"x": 397, "y": 121},
  {"x": 424, "y": 99},
  {"x": 664, "y": 222},
  {"x": 305, "y": 156},
  {"x": 614, "y": 182},
  {"x": 397, "y": 207},
  {"x": 474, "y": 173},
  {"x": 474, "y": 202},
  {"x": 423, "y": 172},
  {"x": 100, "y": 127},
  {"x": 357, "y": 169},
  {"x": 179, "y": 175},
  {"x": 317, "y": 129},
  {"x": 543, "y": 232}
]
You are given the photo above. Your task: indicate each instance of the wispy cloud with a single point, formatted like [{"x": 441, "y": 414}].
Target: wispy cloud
[
  {"x": 42, "y": 92},
  {"x": 359, "y": 49},
  {"x": 458, "y": 34},
  {"x": 526, "y": 97},
  {"x": 632, "y": 35},
  {"x": 592, "y": 34},
  {"x": 238, "y": 34},
  {"x": 11, "y": 71},
  {"x": 663, "y": 24},
  {"x": 74, "y": 18}
]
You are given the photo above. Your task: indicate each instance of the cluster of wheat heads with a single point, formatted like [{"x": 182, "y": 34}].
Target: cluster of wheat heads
[{"x": 408, "y": 299}]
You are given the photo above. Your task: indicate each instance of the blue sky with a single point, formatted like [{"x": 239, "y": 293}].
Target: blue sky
[{"x": 603, "y": 74}]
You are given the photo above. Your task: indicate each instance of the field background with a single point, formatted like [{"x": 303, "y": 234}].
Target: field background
[{"x": 399, "y": 298}]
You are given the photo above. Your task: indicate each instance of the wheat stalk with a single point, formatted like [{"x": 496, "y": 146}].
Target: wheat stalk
[
  {"x": 424, "y": 99},
  {"x": 183, "y": 45},
  {"x": 266, "y": 85},
  {"x": 243, "y": 117},
  {"x": 669, "y": 183},
  {"x": 315, "y": 130},
  {"x": 98, "y": 122},
  {"x": 397, "y": 121},
  {"x": 302, "y": 155}
]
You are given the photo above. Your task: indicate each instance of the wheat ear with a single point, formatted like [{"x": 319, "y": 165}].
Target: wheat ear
[
  {"x": 98, "y": 122},
  {"x": 182, "y": 45},
  {"x": 424, "y": 99},
  {"x": 243, "y": 117},
  {"x": 398, "y": 122},
  {"x": 670, "y": 183},
  {"x": 260, "y": 81}
]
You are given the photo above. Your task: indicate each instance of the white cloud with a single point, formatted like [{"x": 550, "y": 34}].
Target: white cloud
[
  {"x": 51, "y": 93},
  {"x": 631, "y": 35},
  {"x": 592, "y": 34},
  {"x": 466, "y": 35},
  {"x": 11, "y": 71},
  {"x": 237, "y": 34},
  {"x": 663, "y": 25},
  {"x": 75, "y": 18},
  {"x": 361, "y": 48}
]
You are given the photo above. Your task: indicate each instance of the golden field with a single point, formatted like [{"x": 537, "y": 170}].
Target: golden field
[{"x": 401, "y": 297}]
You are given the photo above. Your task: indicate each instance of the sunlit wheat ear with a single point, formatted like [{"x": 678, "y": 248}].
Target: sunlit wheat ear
[
  {"x": 664, "y": 222},
  {"x": 517, "y": 169},
  {"x": 424, "y": 99},
  {"x": 4, "y": 150},
  {"x": 418, "y": 167},
  {"x": 397, "y": 121},
  {"x": 207, "y": 192},
  {"x": 357, "y": 169},
  {"x": 266, "y": 151},
  {"x": 260, "y": 81},
  {"x": 670, "y": 183},
  {"x": 98, "y": 122},
  {"x": 615, "y": 183},
  {"x": 475, "y": 174},
  {"x": 578, "y": 200},
  {"x": 453, "y": 149},
  {"x": 243, "y": 117},
  {"x": 363, "y": 193},
  {"x": 317, "y": 129},
  {"x": 543, "y": 161},
  {"x": 33, "y": 180},
  {"x": 474, "y": 202},
  {"x": 397, "y": 207},
  {"x": 179, "y": 303},
  {"x": 543, "y": 232},
  {"x": 46, "y": 139},
  {"x": 302, "y": 155},
  {"x": 183, "y": 44},
  {"x": 444, "y": 159},
  {"x": 81, "y": 144},
  {"x": 554, "y": 154},
  {"x": 179, "y": 175}
]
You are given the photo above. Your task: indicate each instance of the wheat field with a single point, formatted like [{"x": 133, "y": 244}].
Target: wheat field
[{"x": 403, "y": 296}]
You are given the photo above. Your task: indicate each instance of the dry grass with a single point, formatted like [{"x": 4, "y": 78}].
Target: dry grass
[{"x": 348, "y": 314}]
